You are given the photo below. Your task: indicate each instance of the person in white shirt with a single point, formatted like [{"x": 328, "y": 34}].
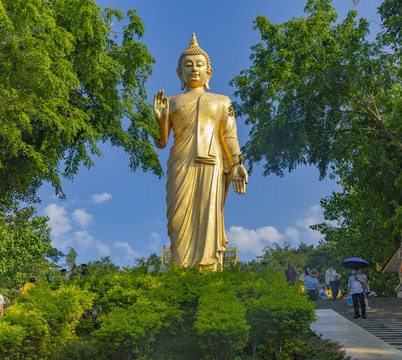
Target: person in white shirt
[
  {"x": 2, "y": 302},
  {"x": 332, "y": 281},
  {"x": 356, "y": 289}
]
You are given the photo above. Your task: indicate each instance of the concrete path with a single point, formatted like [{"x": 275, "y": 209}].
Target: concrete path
[{"x": 358, "y": 343}]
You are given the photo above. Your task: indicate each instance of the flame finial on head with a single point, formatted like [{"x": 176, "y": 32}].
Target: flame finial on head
[{"x": 193, "y": 41}]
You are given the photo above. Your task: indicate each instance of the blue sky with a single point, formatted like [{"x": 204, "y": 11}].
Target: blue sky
[{"x": 110, "y": 210}]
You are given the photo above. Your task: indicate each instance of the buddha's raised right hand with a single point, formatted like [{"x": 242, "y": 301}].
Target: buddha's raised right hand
[{"x": 161, "y": 107}]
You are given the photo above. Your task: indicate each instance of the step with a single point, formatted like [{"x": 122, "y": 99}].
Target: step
[{"x": 358, "y": 342}]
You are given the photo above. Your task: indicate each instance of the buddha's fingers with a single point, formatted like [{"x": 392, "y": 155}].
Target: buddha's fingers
[{"x": 234, "y": 182}]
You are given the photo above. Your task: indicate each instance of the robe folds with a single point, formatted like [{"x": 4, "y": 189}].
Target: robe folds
[{"x": 198, "y": 176}]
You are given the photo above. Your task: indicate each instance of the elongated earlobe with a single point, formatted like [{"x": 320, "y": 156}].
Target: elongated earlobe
[
  {"x": 183, "y": 84},
  {"x": 209, "y": 74}
]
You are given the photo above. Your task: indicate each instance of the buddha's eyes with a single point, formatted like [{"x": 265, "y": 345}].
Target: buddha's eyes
[{"x": 198, "y": 63}]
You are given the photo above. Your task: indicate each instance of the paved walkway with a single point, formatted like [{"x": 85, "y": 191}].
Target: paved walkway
[
  {"x": 358, "y": 343},
  {"x": 384, "y": 320}
]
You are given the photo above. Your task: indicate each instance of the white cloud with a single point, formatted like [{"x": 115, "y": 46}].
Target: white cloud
[
  {"x": 130, "y": 253},
  {"x": 253, "y": 241},
  {"x": 100, "y": 198},
  {"x": 60, "y": 225},
  {"x": 293, "y": 234},
  {"x": 103, "y": 249},
  {"x": 84, "y": 239},
  {"x": 82, "y": 218},
  {"x": 155, "y": 245},
  {"x": 314, "y": 215},
  {"x": 62, "y": 234}
]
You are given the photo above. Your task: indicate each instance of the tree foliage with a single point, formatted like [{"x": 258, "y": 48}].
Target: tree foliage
[
  {"x": 103, "y": 266},
  {"x": 321, "y": 92},
  {"x": 24, "y": 243},
  {"x": 67, "y": 82}
]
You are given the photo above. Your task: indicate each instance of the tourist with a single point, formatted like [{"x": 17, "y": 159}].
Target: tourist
[
  {"x": 322, "y": 290},
  {"x": 366, "y": 289},
  {"x": 2, "y": 302},
  {"x": 262, "y": 268},
  {"x": 332, "y": 280},
  {"x": 29, "y": 285},
  {"x": 311, "y": 286},
  {"x": 314, "y": 273},
  {"x": 356, "y": 289},
  {"x": 303, "y": 275},
  {"x": 84, "y": 270},
  {"x": 291, "y": 275},
  {"x": 21, "y": 288}
]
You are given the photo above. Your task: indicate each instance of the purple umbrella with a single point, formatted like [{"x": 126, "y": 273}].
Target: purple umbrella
[{"x": 356, "y": 263}]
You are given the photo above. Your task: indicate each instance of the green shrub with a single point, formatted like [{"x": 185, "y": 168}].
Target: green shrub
[
  {"x": 178, "y": 314},
  {"x": 42, "y": 320},
  {"x": 127, "y": 333},
  {"x": 279, "y": 315},
  {"x": 220, "y": 322},
  {"x": 317, "y": 348}
]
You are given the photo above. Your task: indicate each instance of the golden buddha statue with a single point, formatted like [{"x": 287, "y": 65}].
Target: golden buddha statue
[{"x": 204, "y": 159}]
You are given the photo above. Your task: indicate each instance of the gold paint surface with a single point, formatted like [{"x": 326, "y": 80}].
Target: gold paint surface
[{"x": 204, "y": 159}]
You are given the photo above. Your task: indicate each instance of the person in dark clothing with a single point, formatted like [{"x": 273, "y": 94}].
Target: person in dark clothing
[
  {"x": 291, "y": 275},
  {"x": 84, "y": 270}
]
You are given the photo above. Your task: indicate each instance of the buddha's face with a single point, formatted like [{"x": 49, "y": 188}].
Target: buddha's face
[{"x": 194, "y": 71}]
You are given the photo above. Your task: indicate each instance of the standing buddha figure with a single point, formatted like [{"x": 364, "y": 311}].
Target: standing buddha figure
[{"x": 204, "y": 159}]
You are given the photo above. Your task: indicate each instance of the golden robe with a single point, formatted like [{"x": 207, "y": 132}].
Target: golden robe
[{"x": 198, "y": 176}]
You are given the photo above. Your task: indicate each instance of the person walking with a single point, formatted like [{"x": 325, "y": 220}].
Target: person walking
[
  {"x": 356, "y": 286},
  {"x": 311, "y": 286},
  {"x": 366, "y": 288},
  {"x": 303, "y": 275},
  {"x": 332, "y": 281},
  {"x": 291, "y": 275},
  {"x": 2, "y": 302}
]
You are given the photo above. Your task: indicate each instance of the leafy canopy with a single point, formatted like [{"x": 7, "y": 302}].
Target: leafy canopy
[
  {"x": 67, "y": 82},
  {"x": 316, "y": 86},
  {"x": 321, "y": 92},
  {"x": 24, "y": 243}
]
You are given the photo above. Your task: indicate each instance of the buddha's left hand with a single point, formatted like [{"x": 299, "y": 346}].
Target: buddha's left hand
[{"x": 239, "y": 178}]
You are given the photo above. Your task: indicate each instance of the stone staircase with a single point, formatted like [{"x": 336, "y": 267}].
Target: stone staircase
[{"x": 383, "y": 321}]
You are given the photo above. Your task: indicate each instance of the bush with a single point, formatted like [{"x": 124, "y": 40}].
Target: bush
[
  {"x": 128, "y": 333},
  {"x": 178, "y": 314},
  {"x": 279, "y": 316},
  {"x": 42, "y": 320},
  {"x": 221, "y": 323},
  {"x": 317, "y": 348}
]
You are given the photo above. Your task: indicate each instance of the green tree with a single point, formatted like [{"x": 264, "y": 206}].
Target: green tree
[
  {"x": 24, "y": 243},
  {"x": 103, "y": 266},
  {"x": 320, "y": 92},
  {"x": 71, "y": 257},
  {"x": 67, "y": 82}
]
